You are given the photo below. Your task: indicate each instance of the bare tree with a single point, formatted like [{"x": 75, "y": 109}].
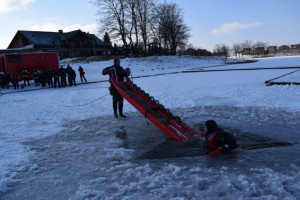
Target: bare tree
[
  {"x": 236, "y": 49},
  {"x": 172, "y": 31},
  {"x": 247, "y": 47},
  {"x": 222, "y": 50},
  {"x": 134, "y": 22},
  {"x": 113, "y": 18},
  {"x": 217, "y": 50},
  {"x": 247, "y": 44},
  {"x": 259, "y": 48}
]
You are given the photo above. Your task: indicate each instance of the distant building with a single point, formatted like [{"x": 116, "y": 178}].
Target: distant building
[
  {"x": 70, "y": 44},
  {"x": 272, "y": 48},
  {"x": 284, "y": 47},
  {"x": 284, "y": 50},
  {"x": 295, "y": 49},
  {"x": 246, "y": 51},
  {"x": 259, "y": 50},
  {"x": 295, "y": 46}
]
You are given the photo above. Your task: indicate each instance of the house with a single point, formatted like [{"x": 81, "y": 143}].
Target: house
[
  {"x": 295, "y": 46},
  {"x": 295, "y": 49},
  {"x": 272, "y": 49},
  {"x": 259, "y": 50},
  {"x": 284, "y": 47},
  {"x": 70, "y": 44},
  {"x": 246, "y": 51}
]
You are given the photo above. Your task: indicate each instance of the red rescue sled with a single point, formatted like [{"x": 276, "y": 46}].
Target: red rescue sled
[{"x": 161, "y": 117}]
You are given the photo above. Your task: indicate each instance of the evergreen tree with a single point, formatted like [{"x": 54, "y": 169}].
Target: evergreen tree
[{"x": 106, "y": 39}]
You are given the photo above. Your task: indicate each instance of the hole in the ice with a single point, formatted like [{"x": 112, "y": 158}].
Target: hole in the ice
[{"x": 246, "y": 141}]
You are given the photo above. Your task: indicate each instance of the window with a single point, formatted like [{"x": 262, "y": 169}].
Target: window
[{"x": 14, "y": 58}]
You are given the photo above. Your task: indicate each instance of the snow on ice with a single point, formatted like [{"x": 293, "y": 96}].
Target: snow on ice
[{"x": 65, "y": 144}]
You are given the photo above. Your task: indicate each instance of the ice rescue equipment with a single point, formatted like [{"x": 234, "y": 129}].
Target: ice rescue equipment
[{"x": 156, "y": 113}]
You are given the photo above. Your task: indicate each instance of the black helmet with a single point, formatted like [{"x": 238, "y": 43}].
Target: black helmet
[
  {"x": 211, "y": 126},
  {"x": 116, "y": 59}
]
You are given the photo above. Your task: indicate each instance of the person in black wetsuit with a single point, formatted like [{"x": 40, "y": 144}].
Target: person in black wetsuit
[
  {"x": 117, "y": 73},
  {"x": 217, "y": 140}
]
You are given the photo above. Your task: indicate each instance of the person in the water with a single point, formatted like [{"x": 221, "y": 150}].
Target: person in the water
[{"x": 217, "y": 140}]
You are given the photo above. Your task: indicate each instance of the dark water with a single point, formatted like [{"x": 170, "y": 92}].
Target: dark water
[
  {"x": 253, "y": 128},
  {"x": 171, "y": 148}
]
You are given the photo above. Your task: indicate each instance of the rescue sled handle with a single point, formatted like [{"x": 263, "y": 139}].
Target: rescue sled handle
[{"x": 155, "y": 112}]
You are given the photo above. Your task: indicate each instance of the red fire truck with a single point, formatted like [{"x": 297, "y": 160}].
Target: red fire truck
[{"x": 11, "y": 62}]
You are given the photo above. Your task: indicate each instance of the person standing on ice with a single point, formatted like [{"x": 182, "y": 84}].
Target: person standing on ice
[
  {"x": 25, "y": 76},
  {"x": 82, "y": 74},
  {"x": 217, "y": 140},
  {"x": 117, "y": 73},
  {"x": 63, "y": 76}
]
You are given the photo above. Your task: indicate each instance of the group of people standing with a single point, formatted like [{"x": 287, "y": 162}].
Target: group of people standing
[
  {"x": 43, "y": 77},
  {"x": 14, "y": 79}
]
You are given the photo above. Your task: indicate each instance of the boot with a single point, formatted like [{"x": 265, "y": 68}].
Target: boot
[{"x": 116, "y": 115}]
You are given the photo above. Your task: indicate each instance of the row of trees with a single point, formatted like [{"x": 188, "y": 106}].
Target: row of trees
[
  {"x": 143, "y": 26},
  {"x": 249, "y": 48},
  {"x": 246, "y": 48}
]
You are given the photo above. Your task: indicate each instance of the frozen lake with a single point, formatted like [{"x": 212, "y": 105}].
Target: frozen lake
[
  {"x": 103, "y": 158},
  {"x": 65, "y": 143}
]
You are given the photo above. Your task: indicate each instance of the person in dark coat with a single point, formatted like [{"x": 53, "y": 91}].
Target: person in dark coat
[
  {"x": 217, "y": 140},
  {"x": 36, "y": 76},
  {"x": 72, "y": 77},
  {"x": 63, "y": 76},
  {"x": 15, "y": 80},
  {"x": 6, "y": 78},
  {"x": 49, "y": 78},
  {"x": 25, "y": 76},
  {"x": 68, "y": 71},
  {"x": 56, "y": 75},
  {"x": 2, "y": 80},
  {"x": 43, "y": 77},
  {"x": 82, "y": 74},
  {"x": 117, "y": 73}
]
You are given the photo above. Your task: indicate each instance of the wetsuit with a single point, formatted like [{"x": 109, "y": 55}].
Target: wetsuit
[
  {"x": 117, "y": 73},
  {"x": 220, "y": 141}
]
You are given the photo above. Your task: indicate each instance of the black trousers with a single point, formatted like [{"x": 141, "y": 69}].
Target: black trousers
[
  {"x": 117, "y": 102},
  {"x": 56, "y": 82},
  {"x": 63, "y": 81},
  {"x": 82, "y": 77},
  {"x": 15, "y": 84}
]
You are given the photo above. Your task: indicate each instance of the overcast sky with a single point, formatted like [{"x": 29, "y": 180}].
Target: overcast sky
[{"x": 211, "y": 21}]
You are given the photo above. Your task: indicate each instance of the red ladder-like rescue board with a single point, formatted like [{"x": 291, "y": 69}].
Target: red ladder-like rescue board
[{"x": 161, "y": 117}]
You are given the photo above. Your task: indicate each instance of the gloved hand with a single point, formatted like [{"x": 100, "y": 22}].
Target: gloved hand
[{"x": 216, "y": 152}]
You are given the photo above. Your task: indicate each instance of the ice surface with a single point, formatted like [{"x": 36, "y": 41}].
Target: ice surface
[{"x": 65, "y": 144}]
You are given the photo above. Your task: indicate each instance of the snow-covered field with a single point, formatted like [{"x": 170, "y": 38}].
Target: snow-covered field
[{"x": 65, "y": 144}]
